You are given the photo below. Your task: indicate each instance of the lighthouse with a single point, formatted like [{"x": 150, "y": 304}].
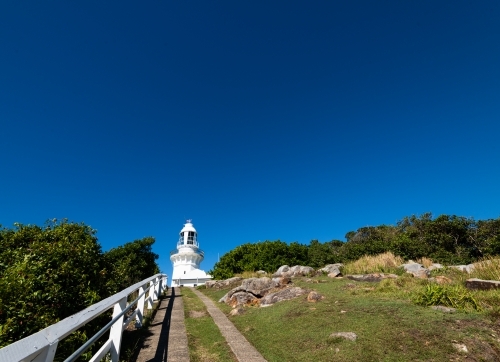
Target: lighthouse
[{"x": 186, "y": 259}]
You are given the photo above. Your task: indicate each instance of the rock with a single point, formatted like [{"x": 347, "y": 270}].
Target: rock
[
  {"x": 435, "y": 266},
  {"x": 253, "y": 288},
  {"x": 218, "y": 284},
  {"x": 281, "y": 295},
  {"x": 441, "y": 279},
  {"x": 210, "y": 283},
  {"x": 281, "y": 281},
  {"x": 314, "y": 297},
  {"x": 258, "y": 286},
  {"x": 307, "y": 271},
  {"x": 417, "y": 270},
  {"x": 374, "y": 277},
  {"x": 242, "y": 298},
  {"x": 332, "y": 268},
  {"x": 350, "y": 336},
  {"x": 237, "y": 311},
  {"x": 228, "y": 295},
  {"x": 334, "y": 275},
  {"x": 261, "y": 272},
  {"x": 282, "y": 269},
  {"x": 444, "y": 309},
  {"x": 480, "y": 284},
  {"x": 294, "y": 271},
  {"x": 465, "y": 268},
  {"x": 460, "y": 347}
]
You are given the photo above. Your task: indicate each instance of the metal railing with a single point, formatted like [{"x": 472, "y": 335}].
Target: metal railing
[
  {"x": 42, "y": 346},
  {"x": 198, "y": 250}
]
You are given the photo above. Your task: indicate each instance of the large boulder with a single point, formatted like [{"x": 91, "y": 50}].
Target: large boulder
[
  {"x": 373, "y": 277},
  {"x": 332, "y": 269},
  {"x": 294, "y": 271},
  {"x": 417, "y": 270},
  {"x": 258, "y": 286},
  {"x": 281, "y": 295},
  {"x": 242, "y": 298},
  {"x": 481, "y": 284},
  {"x": 282, "y": 269}
]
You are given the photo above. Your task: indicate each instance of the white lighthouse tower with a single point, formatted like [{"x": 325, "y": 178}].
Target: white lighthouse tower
[{"x": 186, "y": 259}]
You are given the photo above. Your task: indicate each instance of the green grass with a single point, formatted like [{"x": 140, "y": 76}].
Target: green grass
[
  {"x": 204, "y": 338},
  {"x": 389, "y": 325}
]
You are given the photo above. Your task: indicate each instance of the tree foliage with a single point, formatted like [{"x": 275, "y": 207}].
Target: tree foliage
[
  {"x": 448, "y": 239},
  {"x": 49, "y": 273}
]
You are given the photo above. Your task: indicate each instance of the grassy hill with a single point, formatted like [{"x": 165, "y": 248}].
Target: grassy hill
[{"x": 390, "y": 319}]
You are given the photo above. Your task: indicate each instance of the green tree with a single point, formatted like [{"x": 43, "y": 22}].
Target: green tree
[
  {"x": 130, "y": 263},
  {"x": 47, "y": 274}
]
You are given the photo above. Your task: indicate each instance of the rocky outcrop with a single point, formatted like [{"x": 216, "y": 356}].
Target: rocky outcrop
[
  {"x": 374, "y": 277},
  {"x": 242, "y": 298},
  {"x": 281, "y": 295},
  {"x": 294, "y": 271},
  {"x": 350, "y": 336},
  {"x": 331, "y": 268},
  {"x": 281, "y": 281},
  {"x": 480, "y": 284},
  {"x": 282, "y": 269},
  {"x": 218, "y": 284},
  {"x": 251, "y": 290},
  {"x": 258, "y": 286},
  {"x": 417, "y": 270}
]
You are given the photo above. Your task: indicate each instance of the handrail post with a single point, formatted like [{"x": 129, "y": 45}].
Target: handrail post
[
  {"x": 157, "y": 288},
  {"x": 150, "y": 295},
  {"x": 115, "y": 333},
  {"x": 160, "y": 286},
  {"x": 140, "y": 307}
]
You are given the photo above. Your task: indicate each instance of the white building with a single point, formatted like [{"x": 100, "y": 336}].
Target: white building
[{"x": 186, "y": 259}]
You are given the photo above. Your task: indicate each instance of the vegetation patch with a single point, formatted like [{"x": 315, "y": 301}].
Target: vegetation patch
[
  {"x": 383, "y": 263},
  {"x": 389, "y": 325}
]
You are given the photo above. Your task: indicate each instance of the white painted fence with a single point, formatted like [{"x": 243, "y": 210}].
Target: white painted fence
[{"x": 42, "y": 346}]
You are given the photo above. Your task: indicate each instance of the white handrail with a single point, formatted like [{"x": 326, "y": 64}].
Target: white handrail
[{"x": 42, "y": 346}]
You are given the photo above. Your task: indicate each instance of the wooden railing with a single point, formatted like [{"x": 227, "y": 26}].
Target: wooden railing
[{"x": 42, "y": 346}]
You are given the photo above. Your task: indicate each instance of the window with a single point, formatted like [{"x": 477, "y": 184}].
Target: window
[
  {"x": 190, "y": 237},
  {"x": 181, "y": 238},
  {"x": 184, "y": 272}
]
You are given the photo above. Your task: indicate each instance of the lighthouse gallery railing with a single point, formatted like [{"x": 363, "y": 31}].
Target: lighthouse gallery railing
[{"x": 42, "y": 346}]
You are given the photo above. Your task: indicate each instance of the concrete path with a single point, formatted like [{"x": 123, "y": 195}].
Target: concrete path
[
  {"x": 243, "y": 350},
  {"x": 168, "y": 339}
]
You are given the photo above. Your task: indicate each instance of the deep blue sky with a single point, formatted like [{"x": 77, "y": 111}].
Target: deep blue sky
[{"x": 288, "y": 120}]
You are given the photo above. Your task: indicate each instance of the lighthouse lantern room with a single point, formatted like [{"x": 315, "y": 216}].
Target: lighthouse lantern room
[{"x": 186, "y": 259}]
